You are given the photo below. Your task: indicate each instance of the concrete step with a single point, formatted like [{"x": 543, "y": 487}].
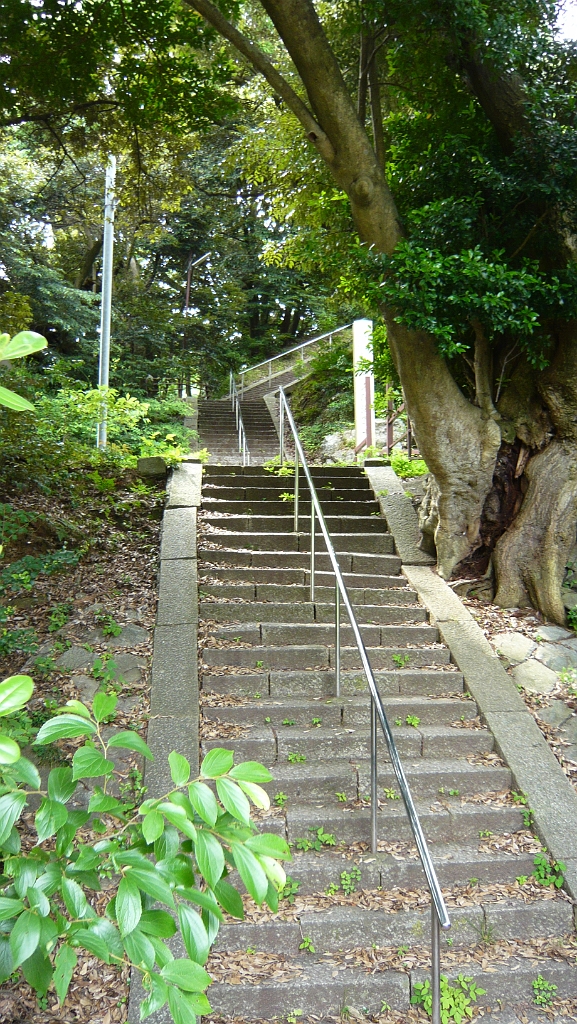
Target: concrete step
[
  {"x": 350, "y": 712},
  {"x": 454, "y": 864},
  {"x": 372, "y": 567},
  {"x": 428, "y": 780},
  {"x": 236, "y": 490},
  {"x": 303, "y": 633},
  {"x": 359, "y": 543},
  {"x": 318, "y": 656},
  {"x": 325, "y": 596},
  {"x": 213, "y": 570},
  {"x": 259, "y": 611},
  {"x": 318, "y": 744},
  {"x": 322, "y": 473},
  {"x": 462, "y": 823},
  {"x": 320, "y": 685},
  {"x": 284, "y": 524},
  {"x": 360, "y": 508}
]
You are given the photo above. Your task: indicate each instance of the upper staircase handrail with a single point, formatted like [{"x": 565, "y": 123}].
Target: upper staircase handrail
[{"x": 283, "y": 355}]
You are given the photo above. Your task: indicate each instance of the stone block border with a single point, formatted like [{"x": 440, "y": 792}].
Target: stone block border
[{"x": 518, "y": 739}]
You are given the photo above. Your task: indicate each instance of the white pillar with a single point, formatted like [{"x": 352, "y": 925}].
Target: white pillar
[
  {"x": 364, "y": 384},
  {"x": 106, "y": 302}
]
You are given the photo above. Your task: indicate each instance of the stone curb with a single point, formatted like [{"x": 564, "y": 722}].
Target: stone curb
[
  {"x": 398, "y": 510},
  {"x": 174, "y": 701},
  {"x": 535, "y": 768}
]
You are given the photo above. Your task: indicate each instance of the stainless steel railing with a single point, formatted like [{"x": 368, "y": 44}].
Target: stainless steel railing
[
  {"x": 242, "y": 445},
  {"x": 439, "y": 915},
  {"x": 298, "y": 351}
]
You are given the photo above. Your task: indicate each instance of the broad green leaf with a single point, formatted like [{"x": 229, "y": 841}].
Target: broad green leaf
[
  {"x": 270, "y": 845},
  {"x": 26, "y": 772},
  {"x": 130, "y": 740},
  {"x": 78, "y": 708},
  {"x": 9, "y": 750},
  {"x": 11, "y": 807},
  {"x": 193, "y": 933},
  {"x": 6, "y": 962},
  {"x": 202, "y": 899},
  {"x": 38, "y": 900},
  {"x": 217, "y": 762},
  {"x": 187, "y": 975},
  {"x": 103, "y": 705},
  {"x": 9, "y": 908},
  {"x": 272, "y": 869},
  {"x": 37, "y": 970},
  {"x": 209, "y": 857},
  {"x": 94, "y": 943},
  {"x": 64, "y": 963},
  {"x": 22, "y": 344},
  {"x": 24, "y": 937},
  {"x": 271, "y": 898},
  {"x": 135, "y": 858},
  {"x": 74, "y": 898},
  {"x": 166, "y": 846},
  {"x": 49, "y": 817},
  {"x": 204, "y": 802},
  {"x": 15, "y": 692},
  {"x": 183, "y": 1005},
  {"x": 152, "y": 826},
  {"x": 230, "y": 898},
  {"x": 139, "y": 949},
  {"x": 157, "y": 922},
  {"x": 156, "y": 998},
  {"x": 102, "y": 803},
  {"x": 11, "y": 400},
  {"x": 178, "y": 816},
  {"x": 12, "y": 844},
  {"x": 152, "y": 883},
  {"x": 250, "y": 871},
  {"x": 88, "y": 763},
  {"x": 233, "y": 799},
  {"x": 63, "y": 727},
  {"x": 163, "y": 954},
  {"x": 25, "y": 872},
  {"x": 250, "y": 771},
  {"x": 179, "y": 768},
  {"x": 128, "y": 905},
  {"x": 259, "y": 797},
  {"x": 51, "y": 879},
  {"x": 177, "y": 870},
  {"x": 103, "y": 939}
]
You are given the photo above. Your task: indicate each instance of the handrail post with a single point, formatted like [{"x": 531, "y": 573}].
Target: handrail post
[
  {"x": 374, "y": 798},
  {"x": 435, "y": 966},
  {"x": 312, "y": 548},
  {"x": 296, "y": 493},
  {"x": 337, "y": 639},
  {"x": 281, "y": 430}
]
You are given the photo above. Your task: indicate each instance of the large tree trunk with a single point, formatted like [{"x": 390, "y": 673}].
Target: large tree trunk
[{"x": 458, "y": 441}]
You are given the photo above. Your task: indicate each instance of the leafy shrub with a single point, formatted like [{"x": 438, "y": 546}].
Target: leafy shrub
[
  {"x": 405, "y": 467},
  {"x": 326, "y": 394},
  {"x": 159, "y": 851}
]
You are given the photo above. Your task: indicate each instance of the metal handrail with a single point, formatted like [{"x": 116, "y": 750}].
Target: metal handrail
[
  {"x": 439, "y": 915},
  {"x": 242, "y": 445},
  {"x": 282, "y": 355}
]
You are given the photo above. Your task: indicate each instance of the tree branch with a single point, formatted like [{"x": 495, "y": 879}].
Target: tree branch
[
  {"x": 51, "y": 115},
  {"x": 363, "y": 77},
  {"x": 376, "y": 111},
  {"x": 262, "y": 64}
]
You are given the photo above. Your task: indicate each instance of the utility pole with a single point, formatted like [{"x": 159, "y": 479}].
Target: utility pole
[
  {"x": 191, "y": 264},
  {"x": 106, "y": 302}
]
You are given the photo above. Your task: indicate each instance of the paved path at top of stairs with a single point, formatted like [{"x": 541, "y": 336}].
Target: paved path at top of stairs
[{"x": 353, "y": 928}]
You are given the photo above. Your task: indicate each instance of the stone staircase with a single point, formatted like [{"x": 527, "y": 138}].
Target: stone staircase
[
  {"x": 351, "y": 936},
  {"x": 217, "y": 431}
]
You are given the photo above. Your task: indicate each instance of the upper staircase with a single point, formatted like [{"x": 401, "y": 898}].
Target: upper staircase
[{"x": 351, "y": 934}]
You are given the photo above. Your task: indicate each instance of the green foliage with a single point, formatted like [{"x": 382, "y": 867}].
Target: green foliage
[
  {"x": 159, "y": 852},
  {"x": 572, "y": 618},
  {"x": 21, "y": 575},
  {"x": 22, "y": 344},
  {"x": 289, "y": 890},
  {"x": 321, "y": 838},
  {"x": 401, "y": 660},
  {"x": 548, "y": 872},
  {"x": 456, "y": 999},
  {"x": 413, "y": 720},
  {"x": 543, "y": 991},
  {"x": 307, "y": 944},
  {"x": 405, "y": 467},
  {"x": 350, "y": 880},
  {"x": 325, "y": 396},
  {"x": 295, "y": 758}
]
